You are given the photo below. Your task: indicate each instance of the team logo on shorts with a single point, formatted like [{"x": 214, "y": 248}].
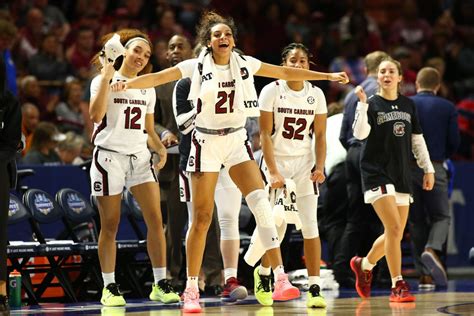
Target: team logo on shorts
[
  {"x": 143, "y": 91},
  {"x": 310, "y": 100},
  {"x": 191, "y": 161},
  {"x": 399, "y": 129},
  {"x": 97, "y": 186}
]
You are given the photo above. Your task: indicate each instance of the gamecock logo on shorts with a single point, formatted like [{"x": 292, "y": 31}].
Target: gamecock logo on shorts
[
  {"x": 191, "y": 161},
  {"x": 97, "y": 186}
]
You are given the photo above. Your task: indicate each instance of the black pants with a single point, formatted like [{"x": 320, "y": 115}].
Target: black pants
[
  {"x": 363, "y": 226},
  {"x": 332, "y": 217},
  {"x": 5, "y": 182}
]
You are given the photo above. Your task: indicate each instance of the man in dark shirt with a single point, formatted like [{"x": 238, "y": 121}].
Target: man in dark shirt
[
  {"x": 363, "y": 225},
  {"x": 429, "y": 215},
  {"x": 10, "y": 135}
]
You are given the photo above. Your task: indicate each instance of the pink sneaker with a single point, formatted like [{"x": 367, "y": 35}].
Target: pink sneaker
[
  {"x": 284, "y": 290},
  {"x": 191, "y": 301}
]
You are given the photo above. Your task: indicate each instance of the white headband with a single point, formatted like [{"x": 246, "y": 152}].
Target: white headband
[{"x": 134, "y": 39}]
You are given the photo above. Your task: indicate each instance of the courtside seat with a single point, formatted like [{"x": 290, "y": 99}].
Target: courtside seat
[
  {"x": 80, "y": 223},
  {"x": 47, "y": 224}
]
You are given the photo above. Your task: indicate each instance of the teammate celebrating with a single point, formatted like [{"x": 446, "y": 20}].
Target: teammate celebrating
[
  {"x": 291, "y": 112},
  {"x": 388, "y": 122},
  {"x": 222, "y": 86},
  {"x": 123, "y": 126}
]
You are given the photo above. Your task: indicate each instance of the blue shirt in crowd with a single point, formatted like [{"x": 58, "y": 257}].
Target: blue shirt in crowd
[{"x": 438, "y": 119}]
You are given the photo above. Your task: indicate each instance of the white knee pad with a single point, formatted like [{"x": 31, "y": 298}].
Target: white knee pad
[
  {"x": 308, "y": 212},
  {"x": 228, "y": 202},
  {"x": 260, "y": 206}
]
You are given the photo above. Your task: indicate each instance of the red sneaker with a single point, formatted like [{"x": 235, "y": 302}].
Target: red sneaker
[
  {"x": 363, "y": 277},
  {"x": 401, "y": 292},
  {"x": 233, "y": 291}
]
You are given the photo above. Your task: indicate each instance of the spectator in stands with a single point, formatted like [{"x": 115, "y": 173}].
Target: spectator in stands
[
  {"x": 405, "y": 56},
  {"x": 167, "y": 26},
  {"x": 80, "y": 53},
  {"x": 10, "y": 135},
  {"x": 29, "y": 122},
  {"x": 54, "y": 19},
  {"x": 71, "y": 112},
  {"x": 69, "y": 150},
  {"x": 410, "y": 29},
  {"x": 8, "y": 34},
  {"x": 298, "y": 24},
  {"x": 158, "y": 59},
  {"x": 49, "y": 64},
  {"x": 30, "y": 36},
  {"x": 356, "y": 23},
  {"x": 348, "y": 62},
  {"x": 429, "y": 216},
  {"x": 45, "y": 140},
  {"x": 31, "y": 91}
]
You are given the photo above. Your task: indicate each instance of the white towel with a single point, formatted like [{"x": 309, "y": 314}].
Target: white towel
[
  {"x": 284, "y": 212},
  {"x": 284, "y": 204},
  {"x": 204, "y": 84}
]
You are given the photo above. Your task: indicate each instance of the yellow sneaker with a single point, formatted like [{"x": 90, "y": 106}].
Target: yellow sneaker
[
  {"x": 262, "y": 288},
  {"x": 111, "y": 296},
  {"x": 314, "y": 297},
  {"x": 164, "y": 292}
]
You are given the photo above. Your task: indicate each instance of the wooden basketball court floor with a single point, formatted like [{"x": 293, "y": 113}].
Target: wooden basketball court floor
[{"x": 456, "y": 299}]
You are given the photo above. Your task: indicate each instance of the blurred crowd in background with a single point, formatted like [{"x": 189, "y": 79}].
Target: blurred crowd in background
[{"x": 48, "y": 46}]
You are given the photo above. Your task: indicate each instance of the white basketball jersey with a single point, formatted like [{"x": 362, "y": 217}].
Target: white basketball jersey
[
  {"x": 218, "y": 112},
  {"x": 123, "y": 127},
  {"x": 293, "y": 116}
]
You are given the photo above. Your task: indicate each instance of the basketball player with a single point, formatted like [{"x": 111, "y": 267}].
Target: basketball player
[
  {"x": 222, "y": 85},
  {"x": 227, "y": 196},
  {"x": 292, "y": 113},
  {"x": 388, "y": 122},
  {"x": 123, "y": 126}
]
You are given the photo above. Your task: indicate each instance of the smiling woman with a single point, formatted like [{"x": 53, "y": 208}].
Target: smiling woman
[
  {"x": 123, "y": 127},
  {"x": 224, "y": 95}
]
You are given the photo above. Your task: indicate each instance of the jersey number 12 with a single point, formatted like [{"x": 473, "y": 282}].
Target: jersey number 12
[{"x": 132, "y": 115}]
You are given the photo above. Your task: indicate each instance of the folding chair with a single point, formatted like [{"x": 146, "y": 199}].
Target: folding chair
[
  {"x": 45, "y": 216},
  {"x": 21, "y": 247},
  {"x": 81, "y": 227}
]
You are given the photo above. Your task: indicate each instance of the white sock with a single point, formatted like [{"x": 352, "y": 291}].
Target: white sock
[
  {"x": 230, "y": 273},
  {"x": 395, "y": 279},
  {"x": 278, "y": 270},
  {"x": 314, "y": 279},
  {"x": 264, "y": 270},
  {"x": 192, "y": 282},
  {"x": 366, "y": 265},
  {"x": 159, "y": 274},
  {"x": 108, "y": 278}
]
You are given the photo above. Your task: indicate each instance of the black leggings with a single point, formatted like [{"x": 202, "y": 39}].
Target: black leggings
[{"x": 4, "y": 202}]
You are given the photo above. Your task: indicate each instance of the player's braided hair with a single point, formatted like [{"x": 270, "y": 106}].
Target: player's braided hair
[
  {"x": 125, "y": 36},
  {"x": 208, "y": 20},
  {"x": 288, "y": 48}
]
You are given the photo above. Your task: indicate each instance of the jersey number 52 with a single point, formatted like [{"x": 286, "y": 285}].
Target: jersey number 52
[{"x": 294, "y": 128}]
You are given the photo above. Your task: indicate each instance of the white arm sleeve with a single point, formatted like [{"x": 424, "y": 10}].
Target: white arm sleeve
[
  {"x": 421, "y": 153},
  {"x": 361, "y": 127}
]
